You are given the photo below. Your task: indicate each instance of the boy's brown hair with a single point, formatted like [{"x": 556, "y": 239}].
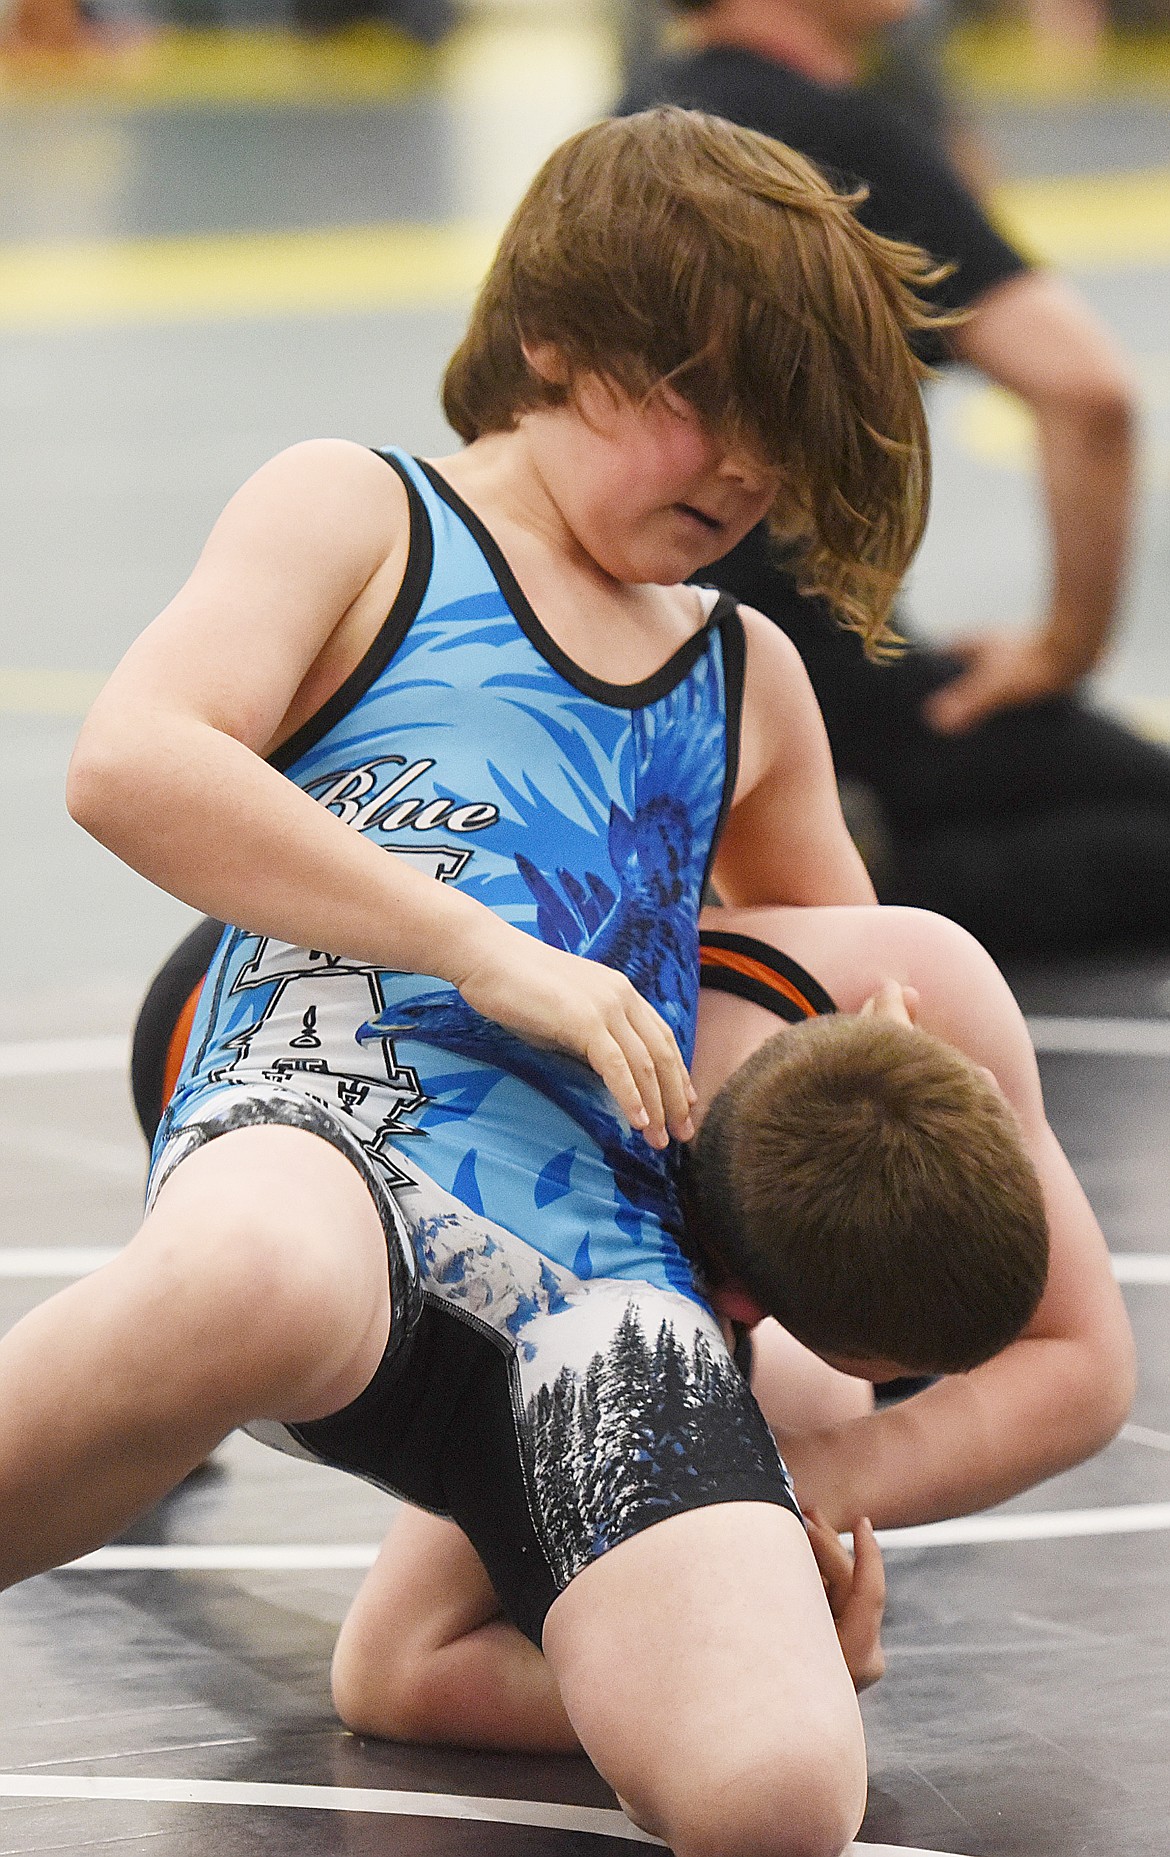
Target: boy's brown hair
[
  {"x": 676, "y": 247},
  {"x": 867, "y": 1185}
]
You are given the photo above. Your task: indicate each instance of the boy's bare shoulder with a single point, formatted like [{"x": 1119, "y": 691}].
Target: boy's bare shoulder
[
  {"x": 783, "y": 746},
  {"x": 312, "y": 456},
  {"x": 331, "y": 477},
  {"x": 774, "y": 669},
  {"x": 312, "y": 527},
  {"x": 299, "y": 571}
]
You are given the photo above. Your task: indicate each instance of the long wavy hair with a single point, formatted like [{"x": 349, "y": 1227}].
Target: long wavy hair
[{"x": 673, "y": 247}]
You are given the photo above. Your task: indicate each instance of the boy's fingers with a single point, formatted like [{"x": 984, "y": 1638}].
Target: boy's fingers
[
  {"x": 673, "y": 1080},
  {"x": 605, "y": 1055},
  {"x": 890, "y": 1002},
  {"x": 826, "y": 1539},
  {"x": 645, "y": 1075},
  {"x": 626, "y": 1068},
  {"x": 869, "y": 1573},
  {"x": 833, "y": 1562}
]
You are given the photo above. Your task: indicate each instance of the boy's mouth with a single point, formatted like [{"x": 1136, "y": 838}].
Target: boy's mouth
[{"x": 710, "y": 523}]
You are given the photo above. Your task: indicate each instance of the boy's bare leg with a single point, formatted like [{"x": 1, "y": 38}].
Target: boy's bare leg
[
  {"x": 425, "y": 1653},
  {"x": 699, "y": 1665},
  {"x": 257, "y": 1288}
]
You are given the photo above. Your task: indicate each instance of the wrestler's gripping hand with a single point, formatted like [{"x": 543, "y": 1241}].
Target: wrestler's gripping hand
[
  {"x": 855, "y": 1585},
  {"x": 567, "y": 1003}
]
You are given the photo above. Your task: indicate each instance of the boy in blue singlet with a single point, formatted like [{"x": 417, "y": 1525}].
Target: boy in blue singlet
[{"x": 410, "y": 1210}]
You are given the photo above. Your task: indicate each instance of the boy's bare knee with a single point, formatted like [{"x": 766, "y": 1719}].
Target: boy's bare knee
[
  {"x": 813, "y": 1816},
  {"x": 793, "y": 1800},
  {"x": 374, "y": 1697}
]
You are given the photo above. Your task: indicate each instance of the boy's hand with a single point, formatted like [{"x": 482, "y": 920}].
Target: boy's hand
[
  {"x": 892, "y": 1001},
  {"x": 562, "y": 1000},
  {"x": 855, "y": 1586}
]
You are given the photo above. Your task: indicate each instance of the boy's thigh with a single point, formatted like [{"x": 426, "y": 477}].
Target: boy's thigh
[
  {"x": 699, "y": 1665},
  {"x": 282, "y": 1231}
]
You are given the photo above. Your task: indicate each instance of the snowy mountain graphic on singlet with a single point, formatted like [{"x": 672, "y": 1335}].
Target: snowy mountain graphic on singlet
[{"x": 583, "y": 813}]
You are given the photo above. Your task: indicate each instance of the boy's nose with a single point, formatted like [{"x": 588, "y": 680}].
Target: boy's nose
[{"x": 750, "y": 473}]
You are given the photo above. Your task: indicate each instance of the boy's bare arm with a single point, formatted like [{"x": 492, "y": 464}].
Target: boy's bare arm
[
  {"x": 170, "y": 774},
  {"x": 425, "y": 1654},
  {"x": 169, "y": 769},
  {"x": 785, "y": 840}
]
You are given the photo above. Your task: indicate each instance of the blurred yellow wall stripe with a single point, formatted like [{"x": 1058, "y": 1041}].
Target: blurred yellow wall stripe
[
  {"x": 1093, "y": 221},
  {"x": 349, "y": 268}
]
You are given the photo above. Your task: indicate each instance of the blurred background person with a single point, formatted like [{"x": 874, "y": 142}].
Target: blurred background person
[
  {"x": 66, "y": 28},
  {"x": 47, "y": 28},
  {"x": 993, "y": 791}
]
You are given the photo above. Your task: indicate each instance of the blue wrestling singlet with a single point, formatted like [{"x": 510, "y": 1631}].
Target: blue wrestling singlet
[
  {"x": 554, "y": 1379},
  {"x": 583, "y": 813}
]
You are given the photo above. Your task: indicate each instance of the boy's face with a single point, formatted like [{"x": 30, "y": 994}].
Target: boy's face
[
  {"x": 734, "y": 1303},
  {"x": 649, "y": 493},
  {"x": 876, "y": 1370}
]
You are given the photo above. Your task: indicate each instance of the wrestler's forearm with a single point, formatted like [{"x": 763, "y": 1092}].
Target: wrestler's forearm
[
  {"x": 971, "y": 1440},
  {"x": 1035, "y": 336},
  {"x": 201, "y": 815}
]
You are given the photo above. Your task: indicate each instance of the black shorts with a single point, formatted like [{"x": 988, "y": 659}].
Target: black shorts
[{"x": 551, "y": 1417}]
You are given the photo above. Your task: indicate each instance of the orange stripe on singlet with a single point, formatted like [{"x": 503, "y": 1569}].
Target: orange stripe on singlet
[
  {"x": 177, "y": 1044},
  {"x": 757, "y": 971}
]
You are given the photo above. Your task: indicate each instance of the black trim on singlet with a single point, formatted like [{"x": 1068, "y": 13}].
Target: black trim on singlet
[
  {"x": 390, "y": 634},
  {"x": 613, "y": 695},
  {"x": 725, "y": 614},
  {"x": 184, "y": 969},
  {"x": 745, "y": 986}
]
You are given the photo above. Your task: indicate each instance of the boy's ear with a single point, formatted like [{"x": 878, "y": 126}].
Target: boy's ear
[
  {"x": 733, "y": 1301},
  {"x": 547, "y": 362}
]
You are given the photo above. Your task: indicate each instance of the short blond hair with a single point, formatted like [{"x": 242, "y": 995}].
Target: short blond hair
[
  {"x": 675, "y": 247},
  {"x": 868, "y": 1186}
]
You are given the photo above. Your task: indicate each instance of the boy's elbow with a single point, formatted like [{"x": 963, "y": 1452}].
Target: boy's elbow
[
  {"x": 112, "y": 769},
  {"x": 1121, "y": 1388},
  {"x": 92, "y": 782},
  {"x": 1111, "y": 404},
  {"x": 1109, "y": 1385},
  {"x": 84, "y": 784},
  {"x": 1104, "y": 401}
]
